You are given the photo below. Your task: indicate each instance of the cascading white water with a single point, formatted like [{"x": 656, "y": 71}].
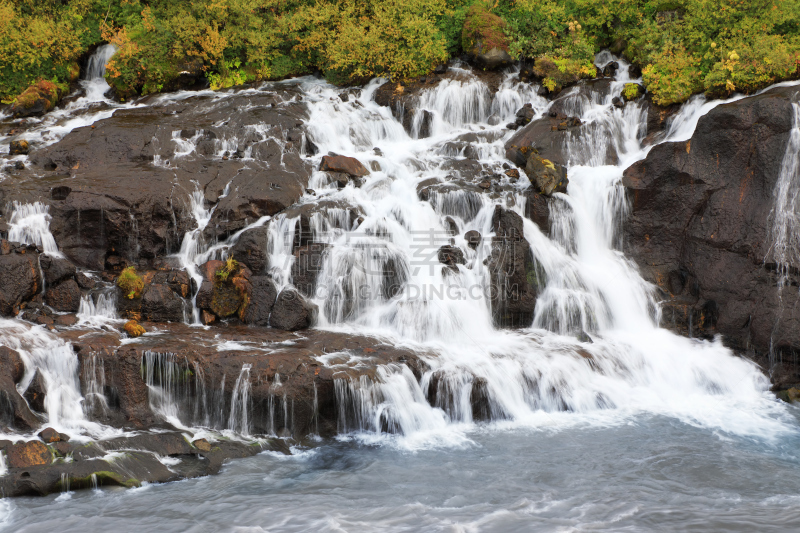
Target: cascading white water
[
  {"x": 785, "y": 216},
  {"x": 56, "y": 363},
  {"x": 98, "y": 312},
  {"x": 238, "y": 420},
  {"x": 30, "y": 224},
  {"x": 632, "y": 365},
  {"x": 193, "y": 245},
  {"x": 94, "y": 82}
]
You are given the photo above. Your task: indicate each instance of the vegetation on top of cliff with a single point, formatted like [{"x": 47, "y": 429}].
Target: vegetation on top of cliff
[{"x": 683, "y": 46}]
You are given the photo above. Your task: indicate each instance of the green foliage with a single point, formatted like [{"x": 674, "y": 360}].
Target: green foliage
[
  {"x": 130, "y": 283},
  {"x": 42, "y": 39},
  {"x": 683, "y": 46},
  {"x": 483, "y": 30},
  {"x": 230, "y": 267},
  {"x": 631, "y": 91}
]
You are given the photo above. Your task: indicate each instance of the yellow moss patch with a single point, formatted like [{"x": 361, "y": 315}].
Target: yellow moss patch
[
  {"x": 133, "y": 328},
  {"x": 130, "y": 283}
]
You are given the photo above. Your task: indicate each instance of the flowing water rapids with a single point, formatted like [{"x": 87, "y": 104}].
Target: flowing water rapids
[{"x": 599, "y": 419}]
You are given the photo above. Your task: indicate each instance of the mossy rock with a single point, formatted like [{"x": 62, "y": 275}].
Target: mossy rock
[
  {"x": 225, "y": 300},
  {"x": 545, "y": 176},
  {"x": 632, "y": 91},
  {"x": 38, "y": 99},
  {"x": 559, "y": 72},
  {"x": 484, "y": 38}
]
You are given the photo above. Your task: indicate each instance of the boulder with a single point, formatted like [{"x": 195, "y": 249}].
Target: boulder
[
  {"x": 546, "y": 177},
  {"x": 700, "y": 227},
  {"x": 65, "y": 296},
  {"x": 161, "y": 304},
  {"x": 292, "y": 312},
  {"x": 56, "y": 269},
  {"x": 14, "y": 410},
  {"x": 11, "y": 364},
  {"x": 346, "y": 165},
  {"x": 308, "y": 261},
  {"x": 49, "y": 435},
  {"x": 202, "y": 444},
  {"x": 483, "y": 38},
  {"x": 66, "y": 320},
  {"x": 451, "y": 256},
  {"x": 537, "y": 209},
  {"x": 259, "y": 302},
  {"x": 473, "y": 238},
  {"x": 18, "y": 147},
  {"x": 36, "y": 100},
  {"x": 28, "y": 454},
  {"x": 36, "y": 392},
  {"x": 251, "y": 249},
  {"x": 22, "y": 279},
  {"x": 225, "y": 299},
  {"x": 514, "y": 278}
]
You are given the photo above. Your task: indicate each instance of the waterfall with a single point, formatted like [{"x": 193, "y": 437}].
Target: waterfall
[
  {"x": 99, "y": 311},
  {"x": 94, "y": 82},
  {"x": 785, "y": 218},
  {"x": 594, "y": 342},
  {"x": 193, "y": 244},
  {"x": 57, "y": 365},
  {"x": 96, "y": 66},
  {"x": 785, "y": 215},
  {"x": 240, "y": 403},
  {"x": 30, "y": 224}
]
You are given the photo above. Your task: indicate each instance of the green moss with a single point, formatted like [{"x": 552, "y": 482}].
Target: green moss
[
  {"x": 631, "y": 91},
  {"x": 483, "y": 30},
  {"x": 558, "y": 72},
  {"x": 230, "y": 268},
  {"x": 683, "y": 46},
  {"x": 131, "y": 284}
]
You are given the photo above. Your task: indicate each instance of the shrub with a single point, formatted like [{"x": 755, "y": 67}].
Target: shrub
[
  {"x": 225, "y": 271},
  {"x": 483, "y": 30},
  {"x": 130, "y": 283},
  {"x": 631, "y": 91}
]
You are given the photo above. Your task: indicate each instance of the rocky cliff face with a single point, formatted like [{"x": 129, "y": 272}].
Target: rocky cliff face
[
  {"x": 700, "y": 229},
  {"x": 119, "y": 188}
]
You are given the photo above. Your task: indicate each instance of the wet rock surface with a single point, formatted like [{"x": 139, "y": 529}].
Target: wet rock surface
[
  {"x": 143, "y": 213},
  {"x": 21, "y": 275},
  {"x": 514, "y": 279},
  {"x": 700, "y": 228}
]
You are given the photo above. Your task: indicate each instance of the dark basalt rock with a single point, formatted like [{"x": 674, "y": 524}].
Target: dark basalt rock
[
  {"x": 65, "y": 296},
  {"x": 537, "y": 208},
  {"x": 451, "y": 256},
  {"x": 699, "y": 227},
  {"x": 251, "y": 249},
  {"x": 260, "y": 301},
  {"x": 307, "y": 266},
  {"x": 343, "y": 164},
  {"x": 473, "y": 238},
  {"x": 36, "y": 392},
  {"x": 56, "y": 269},
  {"x": 22, "y": 280},
  {"x": 28, "y": 454},
  {"x": 514, "y": 277},
  {"x": 119, "y": 200},
  {"x": 292, "y": 311},
  {"x": 546, "y": 177},
  {"x": 161, "y": 304},
  {"x": 11, "y": 365},
  {"x": 14, "y": 410}
]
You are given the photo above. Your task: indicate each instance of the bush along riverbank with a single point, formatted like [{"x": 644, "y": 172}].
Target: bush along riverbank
[{"x": 682, "y": 47}]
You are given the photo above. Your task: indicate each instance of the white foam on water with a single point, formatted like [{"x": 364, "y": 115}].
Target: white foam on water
[{"x": 632, "y": 367}]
